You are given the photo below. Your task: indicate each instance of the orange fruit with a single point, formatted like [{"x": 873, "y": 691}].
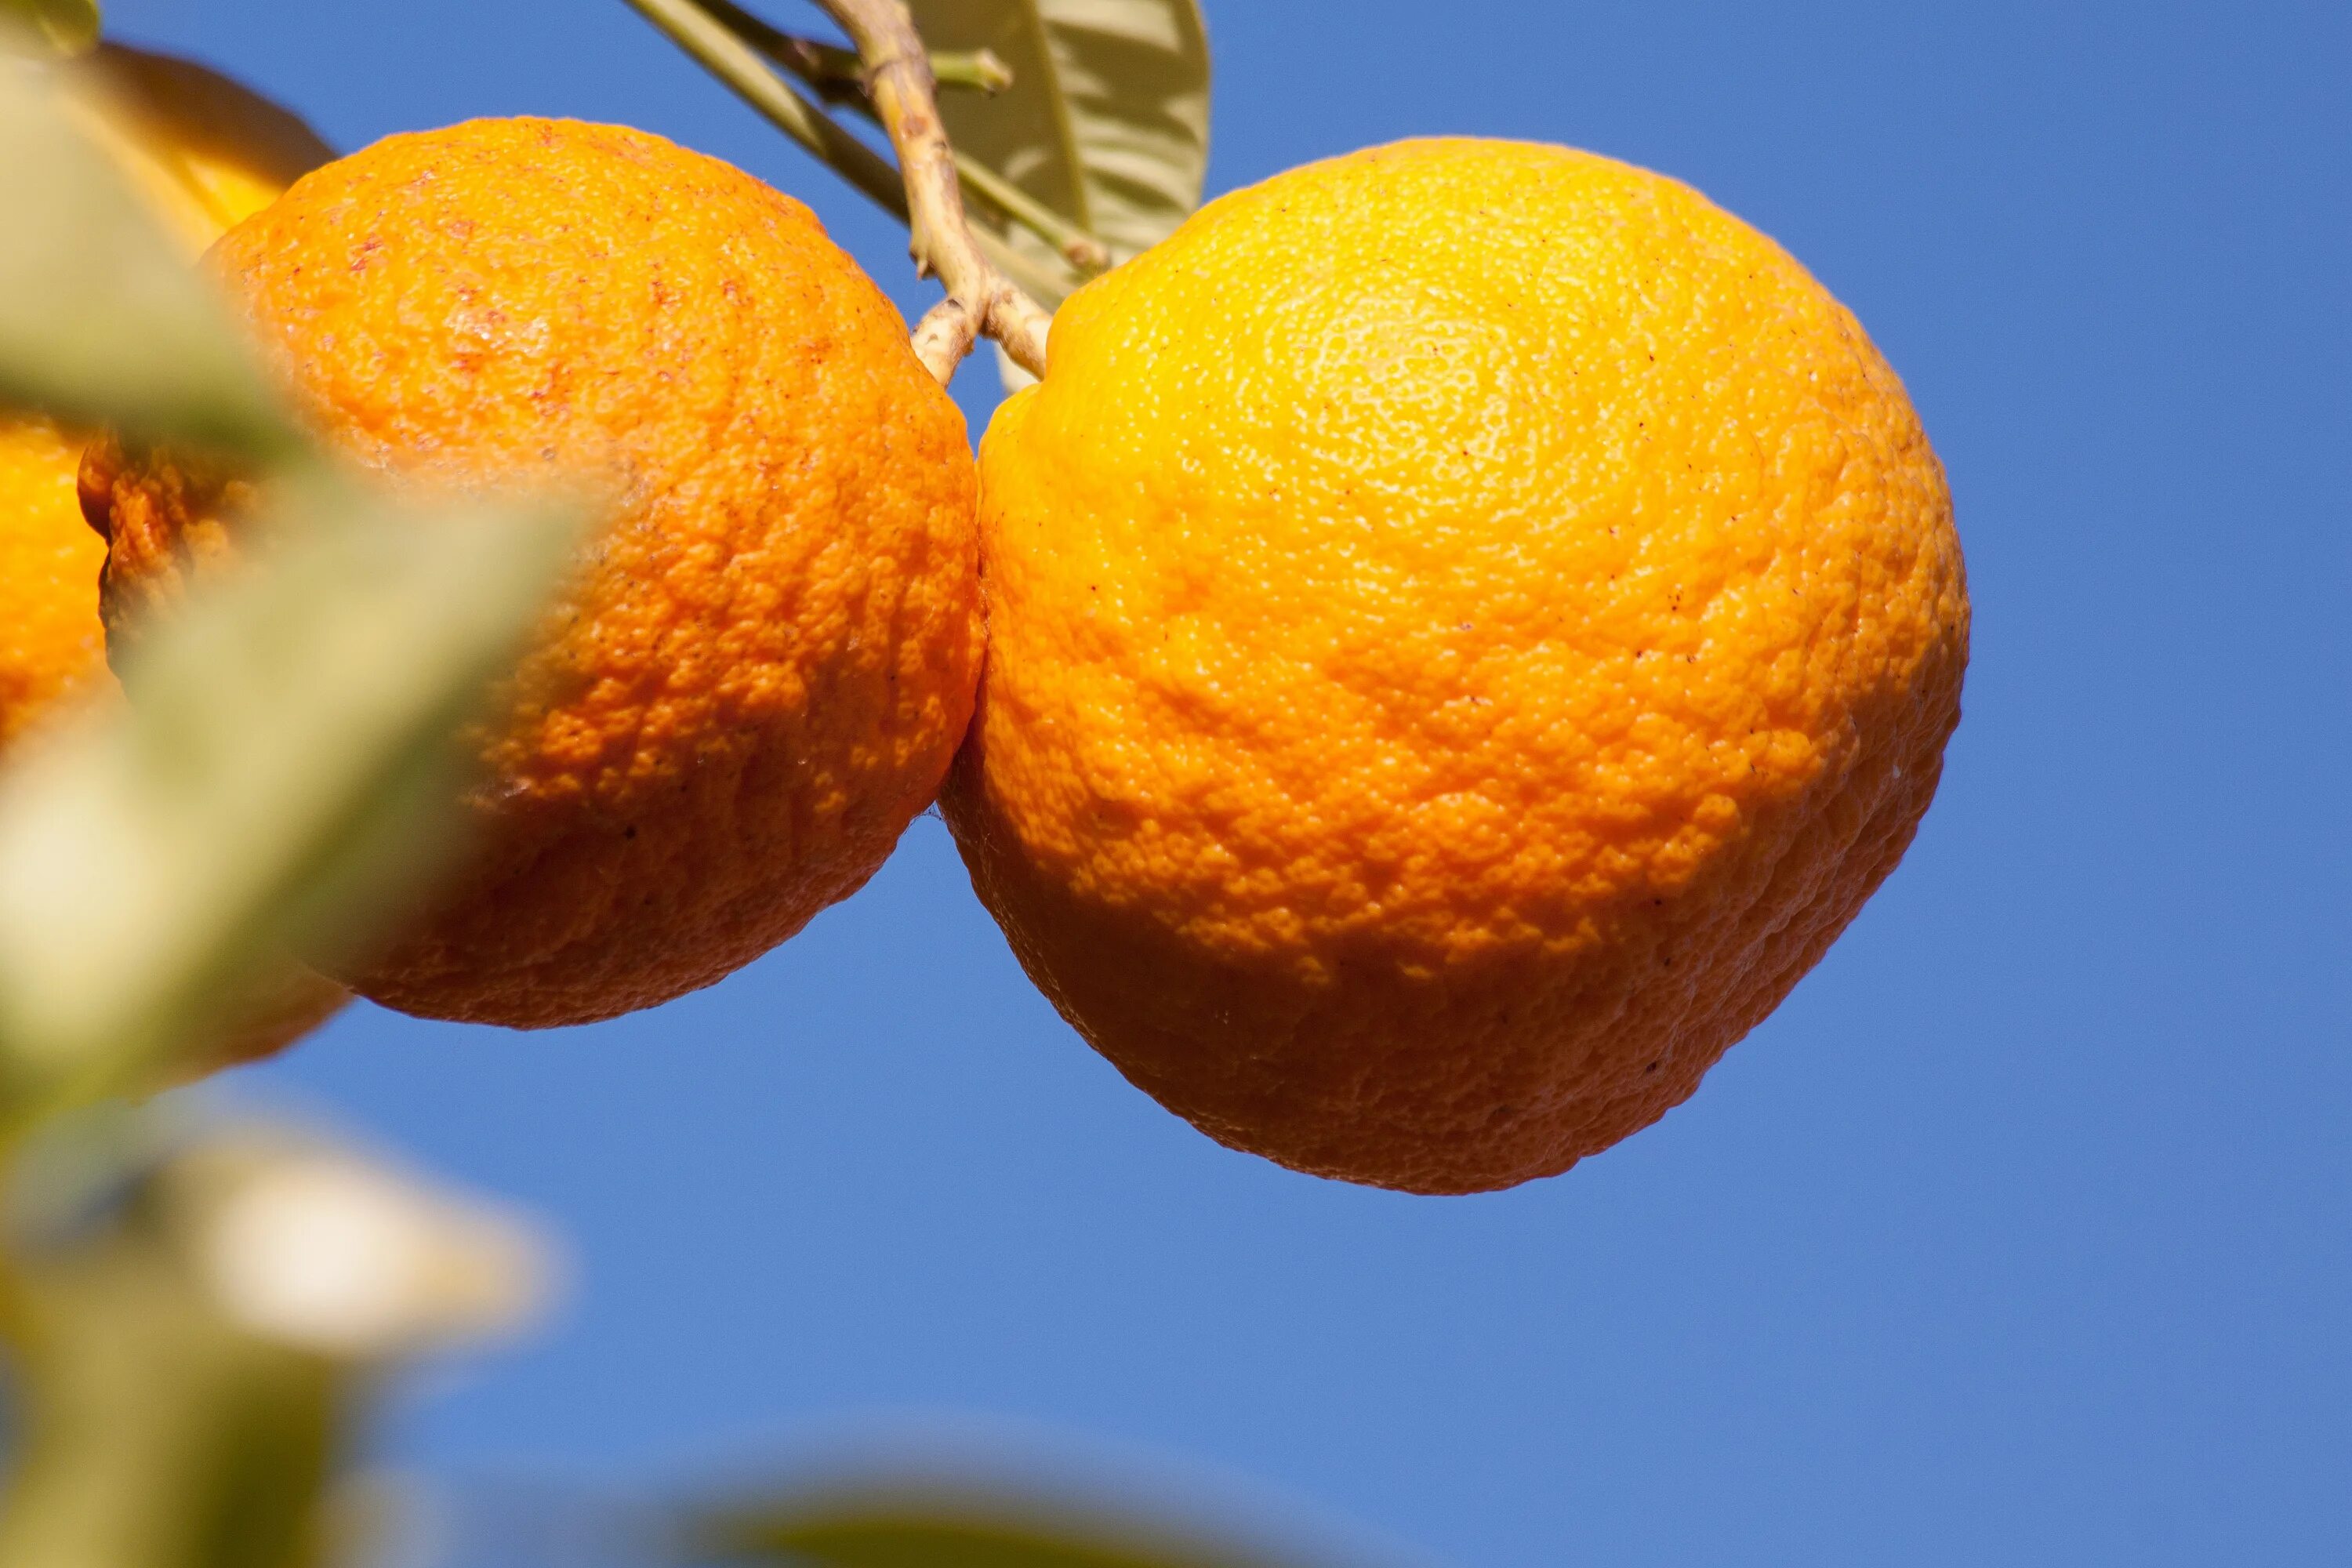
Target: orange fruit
[
  {"x": 1470, "y": 623},
  {"x": 769, "y": 655},
  {"x": 202, "y": 152}
]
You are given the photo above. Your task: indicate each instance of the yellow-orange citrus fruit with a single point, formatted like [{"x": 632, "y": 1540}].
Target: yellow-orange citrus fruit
[
  {"x": 204, "y": 152},
  {"x": 764, "y": 667},
  {"x": 1470, "y": 623},
  {"x": 52, "y": 647}
]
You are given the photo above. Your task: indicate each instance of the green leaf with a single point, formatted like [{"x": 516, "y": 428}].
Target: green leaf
[
  {"x": 862, "y": 1528},
  {"x": 101, "y": 322},
  {"x": 184, "y": 1308},
  {"x": 151, "y": 1430},
  {"x": 156, "y": 1434},
  {"x": 284, "y": 771},
  {"x": 1106, "y": 123},
  {"x": 66, "y": 26},
  {"x": 918, "y": 1543}
]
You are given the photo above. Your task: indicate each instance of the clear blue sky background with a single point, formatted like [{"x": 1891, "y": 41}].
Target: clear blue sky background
[{"x": 2019, "y": 1235}]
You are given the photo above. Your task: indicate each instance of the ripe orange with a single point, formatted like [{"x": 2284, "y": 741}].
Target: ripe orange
[
  {"x": 1470, "y": 623},
  {"x": 769, "y": 657},
  {"x": 204, "y": 152}
]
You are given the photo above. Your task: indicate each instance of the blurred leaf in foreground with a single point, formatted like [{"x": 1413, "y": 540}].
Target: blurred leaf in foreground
[
  {"x": 1106, "y": 123},
  {"x": 66, "y": 27},
  {"x": 187, "y": 1323},
  {"x": 919, "y": 1528},
  {"x": 101, "y": 320},
  {"x": 283, "y": 770}
]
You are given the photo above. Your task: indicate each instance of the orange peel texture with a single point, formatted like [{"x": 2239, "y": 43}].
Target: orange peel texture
[
  {"x": 764, "y": 667},
  {"x": 1470, "y": 624}
]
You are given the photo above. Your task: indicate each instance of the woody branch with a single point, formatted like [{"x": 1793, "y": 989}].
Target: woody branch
[{"x": 980, "y": 301}]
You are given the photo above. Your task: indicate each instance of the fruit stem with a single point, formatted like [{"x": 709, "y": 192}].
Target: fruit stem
[{"x": 981, "y": 301}]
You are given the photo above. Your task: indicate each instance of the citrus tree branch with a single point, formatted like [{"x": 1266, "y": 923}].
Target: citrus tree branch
[
  {"x": 718, "y": 50},
  {"x": 981, "y": 301},
  {"x": 1078, "y": 248},
  {"x": 924, "y": 193},
  {"x": 837, "y": 74},
  {"x": 838, "y": 77}
]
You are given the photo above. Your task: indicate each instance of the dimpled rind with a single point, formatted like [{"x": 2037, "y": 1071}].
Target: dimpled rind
[
  {"x": 763, "y": 670},
  {"x": 1471, "y": 623}
]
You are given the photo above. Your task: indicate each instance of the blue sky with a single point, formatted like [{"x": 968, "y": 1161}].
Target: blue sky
[{"x": 2018, "y": 1236}]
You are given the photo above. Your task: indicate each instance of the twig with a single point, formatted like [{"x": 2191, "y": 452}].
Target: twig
[
  {"x": 736, "y": 63},
  {"x": 1079, "y": 248},
  {"x": 730, "y": 42},
  {"x": 981, "y": 301},
  {"x": 838, "y": 77},
  {"x": 1026, "y": 271},
  {"x": 837, "y": 74}
]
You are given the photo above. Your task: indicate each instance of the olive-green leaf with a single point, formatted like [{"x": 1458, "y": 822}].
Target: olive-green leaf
[
  {"x": 283, "y": 769},
  {"x": 180, "y": 1342},
  {"x": 152, "y": 1433},
  {"x": 64, "y": 27},
  {"x": 101, "y": 322},
  {"x": 918, "y": 1527},
  {"x": 1106, "y": 123}
]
